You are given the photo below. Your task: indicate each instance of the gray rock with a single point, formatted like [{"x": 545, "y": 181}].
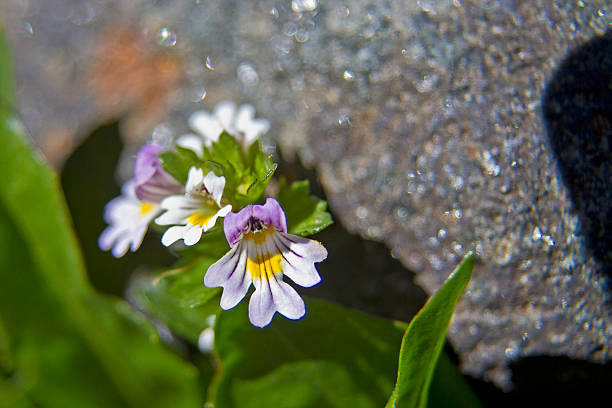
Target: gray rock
[{"x": 424, "y": 120}]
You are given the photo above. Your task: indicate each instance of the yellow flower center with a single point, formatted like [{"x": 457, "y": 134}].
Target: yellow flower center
[
  {"x": 146, "y": 208},
  {"x": 199, "y": 219},
  {"x": 265, "y": 265}
]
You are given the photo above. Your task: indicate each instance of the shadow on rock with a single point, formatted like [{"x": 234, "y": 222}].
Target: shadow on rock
[{"x": 577, "y": 109}]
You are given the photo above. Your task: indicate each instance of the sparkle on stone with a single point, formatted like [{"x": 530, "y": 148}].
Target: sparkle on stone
[{"x": 166, "y": 37}]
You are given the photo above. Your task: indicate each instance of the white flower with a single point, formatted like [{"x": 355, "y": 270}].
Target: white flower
[
  {"x": 196, "y": 211},
  {"x": 261, "y": 253},
  {"x": 241, "y": 124},
  {"x": 129, "y": 219}
]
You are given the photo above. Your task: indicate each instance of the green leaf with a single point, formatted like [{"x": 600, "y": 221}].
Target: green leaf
[
  {"x": 306, "y": 214},
  {"x": 254, "y": 182},
  {"x": 185, "y": 281},
  {"x": 153, "y": 296},
  {"x": 360, "y": 351},
  {"x": 309, "y": 383},
  {"x": 69, "y": 346},
  {"x": 424, "y": 338},
  {"x": 178, "y": 162},
  {"x": 228, "y": 153}
]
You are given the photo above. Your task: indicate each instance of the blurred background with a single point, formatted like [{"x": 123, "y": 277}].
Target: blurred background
[{"x": 432, "y": 127}]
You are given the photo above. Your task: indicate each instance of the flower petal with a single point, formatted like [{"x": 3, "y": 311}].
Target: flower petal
[
  {"x": 244, "y": 117},
  {"x": 261, "y": 305},
  {"x": 271, "y": 213},
  {"x": 230, "y": 273},
  {"x": 220, "y": 271},
  {"x": 191, "y": 142},
  {"x": 121, "y": 247},
  {"x": 108, "y": 236},
  {"x": 224, "y": 113},
  {"x": 172, "y": 235},
  {"x": 194, "y": 180},
  {"x": 192, "y": 234},
  {"x": 234, "y": 224},
  {"x": 207, "y": 125},
  {"x": 214, "y": 184},
  {"x": 300, "y": 255},
  {"x": 286, "y": 299}
]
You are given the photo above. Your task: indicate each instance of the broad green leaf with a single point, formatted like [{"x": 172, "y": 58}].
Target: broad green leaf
[
  {"x": 306, "y": 214},
  {"x": 69, "y": 346},
  {"x": 361, "y": 349},
  {"x": 310, "y": 383},
  {"x": 424, "y": 338}
]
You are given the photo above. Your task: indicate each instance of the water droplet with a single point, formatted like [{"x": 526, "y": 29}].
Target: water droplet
[
  {"x": 302, "y": 35},
  {"x": 209, "y": 64},
  {"x": 587, "y": 326},
  {"x": 290, "y": 29},
  {"x": 426, "y": 6},
  {"x": 304, "y": 5},
  {"x": 344, "y": 120},
  {"x": 361, "y": 212},
  {"x": 273, "y": 12},
  {"x": 601, "y": 12},
  {"x": 374, "y": 232},
  {"x": 199, "y": 95},
  {"x": 162, "y": 134},
  {"x": 401, "y": 213},
  {"x": 536, "y": 235},
  {"x": 427, "y": 83},
  {"x": 441, "y": 234},
  {"x": 348, "y": 75},
  {"x": 247, "y": 74},
  {"x": 166, "y": 37},
  {"x": 510, "y": 352},
  {"x": 489, "y": 164},
  {"x": 457, "y": 213},
  {"x": 26, "y": 29}
]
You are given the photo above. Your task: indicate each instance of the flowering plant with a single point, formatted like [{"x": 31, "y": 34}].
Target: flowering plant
[
  {"x": 63, "y": 343},
  {"x": 215, "y": 176}
]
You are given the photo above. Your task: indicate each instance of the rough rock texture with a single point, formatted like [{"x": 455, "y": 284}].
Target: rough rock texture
[{"x": 436, "y": 126}]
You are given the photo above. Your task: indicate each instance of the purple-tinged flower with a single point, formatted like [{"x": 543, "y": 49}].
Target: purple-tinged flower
[
  {"x": 129, "y": 219},
  {"x": 208, "y": 126},
  {"x": 196, "y": 211},
  {"x": 153, "y": 183},
  {"x": 261, "y": 253}
]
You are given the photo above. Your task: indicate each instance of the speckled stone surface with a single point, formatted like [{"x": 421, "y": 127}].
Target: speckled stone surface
[{"x": 425, "y": 122}]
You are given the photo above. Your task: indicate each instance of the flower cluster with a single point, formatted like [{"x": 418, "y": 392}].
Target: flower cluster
[{"x": 225, "y": 174}]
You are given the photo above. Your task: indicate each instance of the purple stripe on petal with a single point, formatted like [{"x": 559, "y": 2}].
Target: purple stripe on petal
[{"x": 271, "y": 213}]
